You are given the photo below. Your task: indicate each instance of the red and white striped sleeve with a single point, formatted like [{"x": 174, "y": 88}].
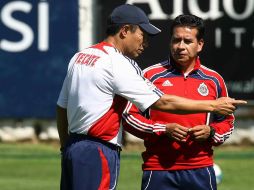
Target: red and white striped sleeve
[
  {"x": 223, "y": 125},
  {"x": 135, "y": 123}
]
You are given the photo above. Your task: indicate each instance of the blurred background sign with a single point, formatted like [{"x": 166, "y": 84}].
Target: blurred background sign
[
  {"x": 229, "y": 40},
  {"x": 37, "y": 39}
]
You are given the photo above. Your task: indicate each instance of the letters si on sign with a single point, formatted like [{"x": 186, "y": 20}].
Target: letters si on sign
[{"x": 37, "y": 39}]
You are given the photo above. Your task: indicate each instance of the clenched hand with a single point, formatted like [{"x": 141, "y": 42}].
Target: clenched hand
[{"x": 177, "y": 132}]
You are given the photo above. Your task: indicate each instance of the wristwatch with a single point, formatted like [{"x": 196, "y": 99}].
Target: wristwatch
[{"x": 212, "y": 132}]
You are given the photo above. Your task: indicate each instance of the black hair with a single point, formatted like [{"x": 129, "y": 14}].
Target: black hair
[
  {"x": 191, "y": 21},
  {"x": 113, "y": 28}
]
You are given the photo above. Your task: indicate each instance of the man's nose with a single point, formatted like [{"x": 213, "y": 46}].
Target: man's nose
[{"x": 181, "y": 44}]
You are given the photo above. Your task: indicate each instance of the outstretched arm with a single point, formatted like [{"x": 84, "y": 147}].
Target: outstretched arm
[{"x": 180, "y": 105}]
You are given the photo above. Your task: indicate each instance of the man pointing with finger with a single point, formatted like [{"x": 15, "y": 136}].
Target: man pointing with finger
[{"x": 99, "y": 82}]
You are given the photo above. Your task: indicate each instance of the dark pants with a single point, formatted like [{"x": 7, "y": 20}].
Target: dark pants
[
  {"x": 89, "y": 163},
  {"x": 195, "y": 179}
]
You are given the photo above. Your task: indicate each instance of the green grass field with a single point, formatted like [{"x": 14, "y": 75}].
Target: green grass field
[{"x": 30, "y": 167}]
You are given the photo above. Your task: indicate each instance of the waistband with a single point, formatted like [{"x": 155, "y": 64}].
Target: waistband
[{"x": 95, "y": 139}]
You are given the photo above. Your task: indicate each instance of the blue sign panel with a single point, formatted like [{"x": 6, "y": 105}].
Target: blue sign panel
[{"x": 37, "y": 40}]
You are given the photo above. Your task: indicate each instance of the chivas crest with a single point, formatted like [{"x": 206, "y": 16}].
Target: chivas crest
[{"x": 203, "y": 90}]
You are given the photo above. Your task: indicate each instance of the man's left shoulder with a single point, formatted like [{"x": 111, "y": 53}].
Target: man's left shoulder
[{"x": 210, "y": 72}]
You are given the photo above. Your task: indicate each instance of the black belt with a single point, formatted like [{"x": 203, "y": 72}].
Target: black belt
[{"x": 108, "y": 144}]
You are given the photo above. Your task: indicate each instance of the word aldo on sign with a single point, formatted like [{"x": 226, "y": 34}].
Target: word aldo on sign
[
  {"x": 215, "y": 11},
  {"x": 220, "y": 12}
]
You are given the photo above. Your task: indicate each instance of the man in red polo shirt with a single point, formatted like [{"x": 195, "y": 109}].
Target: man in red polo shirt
[{"x": 179, "y": 154}]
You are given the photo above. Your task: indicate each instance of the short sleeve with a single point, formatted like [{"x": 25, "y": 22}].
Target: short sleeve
[
  {"x": 129, "y": 83},
  {"x": 63, "y": 96}
]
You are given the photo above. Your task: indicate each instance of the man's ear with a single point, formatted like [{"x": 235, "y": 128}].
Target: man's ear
[
  {"x": 124, "y": 31},
  {"x": 200, "y": 45}
]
